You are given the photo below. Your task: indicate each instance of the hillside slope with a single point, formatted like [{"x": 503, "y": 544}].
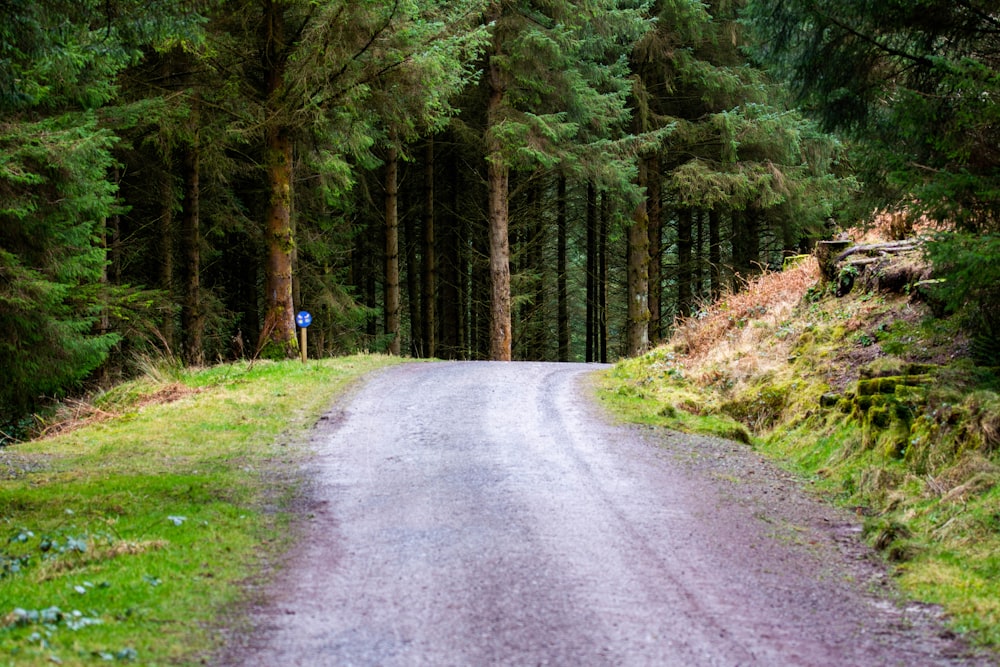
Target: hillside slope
[{"x": 869, "y": 395}]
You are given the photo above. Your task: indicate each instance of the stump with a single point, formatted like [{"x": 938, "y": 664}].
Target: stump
[{"x": 827, "y": 253}]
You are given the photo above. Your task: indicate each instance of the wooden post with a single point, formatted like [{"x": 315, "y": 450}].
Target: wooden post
[{"x": 302, "y": 344}]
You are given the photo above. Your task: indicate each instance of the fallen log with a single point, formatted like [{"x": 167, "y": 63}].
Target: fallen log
[
  {"x": 864, "y": 261},
  {"x": 888, "y": 248}
]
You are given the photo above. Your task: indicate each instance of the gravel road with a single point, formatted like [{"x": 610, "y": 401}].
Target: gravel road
[{"x": 484, "y": 513}]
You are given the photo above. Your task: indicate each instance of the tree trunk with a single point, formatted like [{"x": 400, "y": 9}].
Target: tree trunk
[
  {"x": 637, "y": 329},
  {"x": 500, "y": 302},
  {"x": 479, "y": 288},
  {"x": 602, "y": 278},
  {"x": 279, "y": 317},
  {"x": 111, "y": 267},
  {"x": 655, "y": 210},
  {"x": 363, "y": 270},
  {"x": 592, "y": 270},
  {"x": 192, "y": 318},
  {"x": 715, "y": 252},
  {"x": 453, "y": 269},
  {"x": 698, "y": 268},
  {"x": 518, "y": 234},
  {"x": 373, "y": 264},
  {"x": 753, "y": 238},
  {"x": 746, "y": 246},
  {"x": 684, "y": 226},
  {"x": 392, "y": 324},
  {"x": 429, "y": 294},
  {"x": 535, "y": 343},
  {"x": 561, "y": 284},
  {"x": 278, "y": 337},
  {"x": 296, "y": 285},
  {"x": 166, "y": 280},
  {"x": 414, "y": 273},
  {"x": 498, "y": 185},
  {"x": 114, "y": 244}
]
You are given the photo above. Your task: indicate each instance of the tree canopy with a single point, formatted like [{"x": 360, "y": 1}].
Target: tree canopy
[{"x": 917, "y": 82}]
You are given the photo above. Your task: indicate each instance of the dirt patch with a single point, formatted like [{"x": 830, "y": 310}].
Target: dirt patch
[
  {"x": 168, "y": 394},
  {"x": 75, "y": 414},
  {"x": 14, "y": 465},
  {"x": 844, "y": 370}
]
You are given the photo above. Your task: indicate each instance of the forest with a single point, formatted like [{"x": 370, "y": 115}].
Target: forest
[{"x": 465, "y": 179}]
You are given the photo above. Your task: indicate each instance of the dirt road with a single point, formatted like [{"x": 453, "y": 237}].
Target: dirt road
[{"x": 486, "y": 514}]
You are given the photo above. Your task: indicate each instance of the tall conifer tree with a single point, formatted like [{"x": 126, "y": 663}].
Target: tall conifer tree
[
  {"x": 60, "y": 61},
  {"x": 311, "y": 74},
  {"x": 557, "y": 82}
]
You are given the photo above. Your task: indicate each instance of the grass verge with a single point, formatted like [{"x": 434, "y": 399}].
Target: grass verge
[
  {"x": 872, "y": 399},
  {"x": 128, "y": 538}
]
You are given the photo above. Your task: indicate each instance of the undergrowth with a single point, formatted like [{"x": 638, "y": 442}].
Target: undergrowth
[
  {"x": 128, "y": 532},
  {"x": 873, "y": 399}
]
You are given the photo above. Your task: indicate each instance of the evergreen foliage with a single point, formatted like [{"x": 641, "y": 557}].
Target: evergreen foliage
[
  {"x": 916, "y": 83},
  {"x": 763, "y": 179},
  {"x": 59, "y": 61},
  {"x": 554, "y": 95},
  {"x": 971, "y": 263},
  {"x": 55, "y": 196}
]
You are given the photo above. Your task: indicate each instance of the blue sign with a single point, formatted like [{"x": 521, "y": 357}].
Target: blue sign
[{"x": 303, "y": 319}]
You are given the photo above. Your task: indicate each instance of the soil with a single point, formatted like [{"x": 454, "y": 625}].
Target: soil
[{"x": 490, "y": 514}]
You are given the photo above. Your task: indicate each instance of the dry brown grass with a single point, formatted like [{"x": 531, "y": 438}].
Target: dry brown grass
[
  {"x": 74, "y": 414},
  {"x": 895, "y": 226},
  {"x": 735, "y": 338}
]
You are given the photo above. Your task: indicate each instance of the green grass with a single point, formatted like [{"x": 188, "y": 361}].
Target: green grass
[
  {"x": 131, "y": 539},
  {"x": 644, "y": 394}
]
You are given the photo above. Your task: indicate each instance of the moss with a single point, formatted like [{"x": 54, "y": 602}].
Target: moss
[
  {"x": 901, "y": 411},
  {"x": 895, "y": 440},
  {"x": 279, "y": 351},
  {"x": 829, "y": 400},
  {"x": 874, "y": 484},
  {"x": 887, "y": 385},
  {"x": 807, "y": 339},
  {"x": 759, "y": 407},
  {"x": 863, "y": 404},
  {"x": 912, "y": 396},
  {"x": 692, "y": 407},
  {"x": 981, "y": 428},
  {"x": 880, "y": 416},
  {"x": 738, "y": 433},
  {"x": 890, "y": 366}
]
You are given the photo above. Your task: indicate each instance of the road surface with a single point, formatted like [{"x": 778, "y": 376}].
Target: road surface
[{"x": 485, "y": 513}]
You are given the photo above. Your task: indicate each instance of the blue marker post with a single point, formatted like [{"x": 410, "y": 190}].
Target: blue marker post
[{"x": 303, "y": 319}]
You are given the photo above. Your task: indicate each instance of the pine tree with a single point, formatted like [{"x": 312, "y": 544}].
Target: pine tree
[
  {"x": 890, "y": 71},
  {"x": 60, "y": 61},
  {"x": 737, "y": 154},
  {"x": 56, "y": 195},
  {"x": 557, "y": 84},
  {"x": 312, "y": 77},
  {"x": 915, "y": 84}
]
